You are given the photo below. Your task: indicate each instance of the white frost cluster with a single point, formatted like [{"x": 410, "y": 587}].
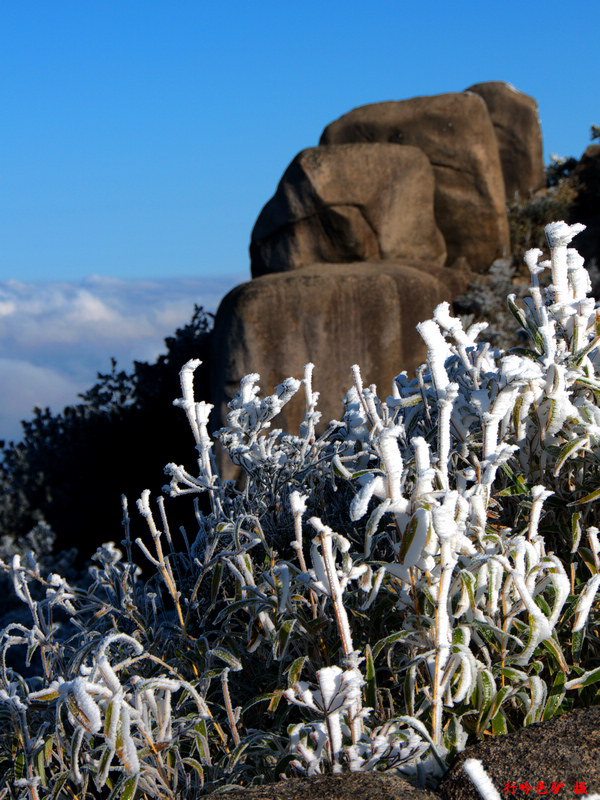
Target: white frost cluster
[{"x": 422, "y": 519}]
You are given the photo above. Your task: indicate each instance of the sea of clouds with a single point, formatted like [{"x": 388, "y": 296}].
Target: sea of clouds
[{"x": 56, "y": 336}]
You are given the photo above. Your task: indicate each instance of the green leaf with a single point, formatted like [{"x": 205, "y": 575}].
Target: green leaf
[
  {"x": 486, "y": 691},
  {"x": 48, "y": 745},
  {"x": 407, "y": 537},
  {"x": 410, "y": 689},
  {"x": 125, "y": 788},
  {"x": 196, "y": 766},
  {"x": 588, "y": 558},
  {"x": 516, "y": 311},
  {"x": 593, "y": 676},
  {"x": 47, "y": 697},
  {"x": 280, "y": 644},
  {"x": 391, "y": 639},
  {"x": 525, "y": 352},
  {"x": 339, "y": 469},
  {"x": 515, "y": 676},
  {"x": 555, "y": 650},
  {"x": 362, "y": 472},
  {"x": 58, "y": 785},
  {"x": 227, "y": 657},
  {"x": 108, "y": 717},
  {"x": 575, "y": 531},
  {"x": 519, "y": 486},
  {"x": 587, "y": 499},
  {"x": 275, "y": 700},
  {"x": 568, "y": 450},
  {"x": 283, "y": 764},
  {"x": 493, "y": 701},
  {"x": 250, "y": 604},
  {"x": 589, "y": 383},
  {"x": 581, "y": 354},
  {"x": 538, "y": 692},
  {"x": 106, "y": 755},
  {"x": 216, "y": 581},
  {"x": 39, "y": 762},
  {"x": 555, "y": 697},
  {"x": 201, "y": 739},
  {"x": 237, "y": 754},
  {"x": 295, "y": 669},
  {"x": 499, "y": 725},
  {"x": 371, "y": 681},
  {"x": 411, "y": 400}
]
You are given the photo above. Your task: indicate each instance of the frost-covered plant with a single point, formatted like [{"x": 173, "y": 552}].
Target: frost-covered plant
[{"x": 422, "y": 573}]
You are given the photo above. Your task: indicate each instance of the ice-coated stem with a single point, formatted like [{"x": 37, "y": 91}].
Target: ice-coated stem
[
  {"x": 445, "y": 528},
  {"x": 325, "y": 535},
  {"x": 445, "y": 404}
]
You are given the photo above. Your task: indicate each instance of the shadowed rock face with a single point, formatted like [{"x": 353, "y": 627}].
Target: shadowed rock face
[
  {"x": 345, "y": 203},
  {"x": 587, "y": 204},
  {"x": 333, "y": 315},
  {"x": 517, "y": 125},
  {"x": 456, "y": 134}
]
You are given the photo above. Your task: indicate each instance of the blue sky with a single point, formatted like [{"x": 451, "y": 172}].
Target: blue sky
[{"x": 141, "y": 138}]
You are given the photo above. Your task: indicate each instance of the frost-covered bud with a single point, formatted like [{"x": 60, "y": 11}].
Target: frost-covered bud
[
  {"x": 579, "y": 277},
  {"x": 539, "y": 494},
  {"x": 443, "y": 517},
  {"x": 559, "y": 234},
  {"x": 437, "y": 353},
  {"x": 451, "y": 324},
  {"x": 298, "y": 503},
  {"x": 531, "y": 258}
]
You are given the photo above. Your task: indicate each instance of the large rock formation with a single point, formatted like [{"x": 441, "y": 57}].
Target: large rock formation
[
  {"x": 517, "y": 126},
  {"x": 353, "y": 202},
  {"x": 456, "y": 134},
  {"x": 349, "y": 253},
  {"x": 333, "y": 315}
]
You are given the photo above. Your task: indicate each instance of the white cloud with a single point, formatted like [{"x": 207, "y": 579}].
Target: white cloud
[{"x": 55, "y": 336}]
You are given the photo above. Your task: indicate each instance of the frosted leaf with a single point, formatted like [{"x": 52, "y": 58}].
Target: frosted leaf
[
  {"x": 519, "y": 368},
  {"x": 419, "y": 537},
  {"x": 89, "y": 709},
  {"x": 584, "y": 604},
  {"x": 360, "y": 502}
]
